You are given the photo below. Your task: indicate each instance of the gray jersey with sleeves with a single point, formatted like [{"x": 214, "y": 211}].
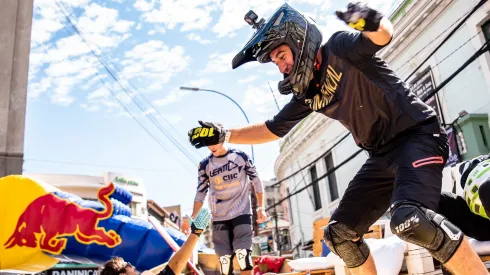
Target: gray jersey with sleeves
[{"x": 227, "y": 180}]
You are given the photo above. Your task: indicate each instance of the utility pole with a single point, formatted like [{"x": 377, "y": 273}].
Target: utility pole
[{"x": 277, "y": 235}]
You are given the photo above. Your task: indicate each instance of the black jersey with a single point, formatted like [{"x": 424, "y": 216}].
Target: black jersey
[{"x": 357, "y": 88}]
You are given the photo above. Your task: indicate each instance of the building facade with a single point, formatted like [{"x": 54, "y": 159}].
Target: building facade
[{"x": 462, "y": 105}]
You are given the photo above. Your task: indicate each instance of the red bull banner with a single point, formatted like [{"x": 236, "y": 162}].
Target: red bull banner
[{"x": 41, "y": 224}]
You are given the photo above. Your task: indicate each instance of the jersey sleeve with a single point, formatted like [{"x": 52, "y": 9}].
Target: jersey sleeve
[
  {"x": 352, "y": 46},
  {"x": 252, "y": 173},
  {"x": 203, "y": 182},
  {"x": 290, "y": 115}
]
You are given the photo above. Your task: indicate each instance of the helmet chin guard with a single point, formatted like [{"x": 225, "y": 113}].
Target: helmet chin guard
[{"x": 286, "y": 26}]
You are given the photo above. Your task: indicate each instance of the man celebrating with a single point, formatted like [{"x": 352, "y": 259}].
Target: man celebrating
[
  {"x": 224, "y": 174},
  {"x": 346, "y": 81}
]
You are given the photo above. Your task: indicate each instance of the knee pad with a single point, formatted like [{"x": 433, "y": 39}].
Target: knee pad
[
  {"x": 226, "y": 265},
  {"x": 244, "y": 259},
  {"x": 416, "y": 224},
  {"x": 338, "y": 238}
]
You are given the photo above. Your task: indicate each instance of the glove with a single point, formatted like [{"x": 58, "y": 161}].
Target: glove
[
  {"x": 208, "y": 134},
  {"x": 199, "y": 224},
  {"x": 360, "y": 17}
]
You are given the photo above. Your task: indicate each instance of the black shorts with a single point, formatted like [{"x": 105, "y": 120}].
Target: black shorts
[
  {"x": 230, "y": 235},
  {"x": 456, "y": 210},
  {"x": 407, "y": 168},
  {"x": 167, "y": 271}
]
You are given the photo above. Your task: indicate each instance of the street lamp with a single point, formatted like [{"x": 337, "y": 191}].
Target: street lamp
[{"x": 195, "y": 89}]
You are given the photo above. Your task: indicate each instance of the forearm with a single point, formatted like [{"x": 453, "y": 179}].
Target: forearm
[
  {"x": 195, "y": 210},
  {"x": 252, "y": 134},
  {"x": 178, "y": 262},
  {"x": 260, "y": 199},
  {"x": 383, "y": 35}
]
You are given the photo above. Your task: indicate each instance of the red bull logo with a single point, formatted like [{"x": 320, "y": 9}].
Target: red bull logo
[{"x": 49, "y": 220}]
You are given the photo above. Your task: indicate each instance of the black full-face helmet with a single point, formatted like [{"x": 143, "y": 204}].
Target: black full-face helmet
[{"x": 290, "y": 27}]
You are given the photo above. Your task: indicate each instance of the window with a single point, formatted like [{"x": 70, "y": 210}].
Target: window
[
  {"x": 422, "y": 86},
  {"x": 332, "y": 179},
  {"x": 317, "y": 200},
  {"x": 486, "y": 30}
]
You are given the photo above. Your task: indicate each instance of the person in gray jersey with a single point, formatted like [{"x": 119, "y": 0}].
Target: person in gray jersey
[{"x": 226, "y": 175}]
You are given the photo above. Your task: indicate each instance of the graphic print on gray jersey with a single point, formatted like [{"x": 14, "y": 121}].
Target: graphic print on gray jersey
[{"x": 227, "y": 180}]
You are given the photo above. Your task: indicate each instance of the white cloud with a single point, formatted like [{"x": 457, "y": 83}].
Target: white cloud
[
  {"x": 172, "y": 118},
  {"x": 157, "y": 29},
  {"x": 144, "y": 6},
  {"x": 190, "y": 15},
  {"x": 47, "y": 18},
  {"x": 90, "y": 108},
  {"x": 260, "y": 98},
  {"x": 219, "y": 63},
  {"x": 172, "y": 97},
  {"x": 198, "y": 38},
  {"x": 233, "y": 11},
  {"x": 248, "y": 79},
  {"x": 381, "y": 5},
  {"x": 200, "y": 83},
  {"x": 149, "y": 111},
  {"x": 38, "y": 88},
  {"x": 169, "y": 118},
  {"x": 102, "y": 92},
  {"x": 330, "y": 24},
  {"x": 67, "y": 61},
  {"x": 153, "y": 60}
]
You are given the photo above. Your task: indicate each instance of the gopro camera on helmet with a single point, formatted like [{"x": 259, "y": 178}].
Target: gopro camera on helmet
[{"x": 251, "y": 18}]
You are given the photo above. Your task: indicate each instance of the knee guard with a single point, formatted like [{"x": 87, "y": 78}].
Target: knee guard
[
  {"x": 244, "y": 259},
  {"x": 226, "y": 265},
  {"x": 416, "y": 224},
  {"x": 338, "y": 238}
]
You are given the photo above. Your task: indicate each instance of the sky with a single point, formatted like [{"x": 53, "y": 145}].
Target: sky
[{"x": 133, "y": 119}]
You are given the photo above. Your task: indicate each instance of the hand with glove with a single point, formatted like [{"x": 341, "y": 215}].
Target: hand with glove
[
  {"x": 199, "y": 224},
  {"x": 360, "y": 17},
  {"x": 208, "y": 134}
]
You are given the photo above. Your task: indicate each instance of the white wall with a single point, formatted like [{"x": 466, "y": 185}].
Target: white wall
[{"x": 470, "y": 90}]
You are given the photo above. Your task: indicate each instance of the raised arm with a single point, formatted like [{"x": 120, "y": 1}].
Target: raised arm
[
  {"x": 383, "y": 35},
  {"x": 373, "y": 33},
  {"x": 210, "y": 133},
  {"x": 252, "y": 134}
]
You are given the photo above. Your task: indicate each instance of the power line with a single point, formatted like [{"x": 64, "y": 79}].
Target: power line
[
  {"x": 428, "y": 44},
  {"x": 447, "y": 38},
  {"x": 112, "y": 92},
  {"x": 314, "y": 161},
  {"x": 457, "y": 49},
  {"x": 152, "y": 118},
  {"x": 124, "y": 89},
  {"x": 333, "y": 169}
]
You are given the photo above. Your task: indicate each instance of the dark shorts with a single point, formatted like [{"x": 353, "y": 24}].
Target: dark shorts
[
  {"x": 408, "y": 168},
  {"x": 233, "y": 234},
  {"x": 167, "y": 271},
  {"x": 455, "y": 209}
]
